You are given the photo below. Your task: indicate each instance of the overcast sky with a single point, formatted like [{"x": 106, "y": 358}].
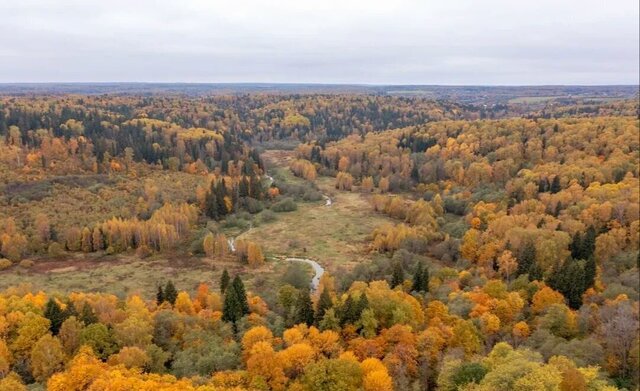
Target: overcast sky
[{"x": 488, "y": 42}]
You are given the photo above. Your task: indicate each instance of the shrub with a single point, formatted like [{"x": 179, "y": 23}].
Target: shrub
[
  {"x": 234, "y": 221},
  {"x": 143, "y": 252},
  {"x": 267, "y": 216},
  {"x": 252, "y": 205},
  {"x": 55, "y": 250},
  {"x": 5, "y": 264},
  {"x": 457, "y": 207},
  {"x": 284, "y": 205},
  {"x": 27, "y": 263},
  {"x": 312, "y": 195}
]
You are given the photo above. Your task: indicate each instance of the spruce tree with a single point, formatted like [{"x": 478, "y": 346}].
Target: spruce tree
[
  {"x": 588, "y": 244},
  {"x": 526, "y": 259},
  {"x": 243, "y": 187},
  {"x": 397, "y": 277},
  {"x": 425, "y": 280},
  {"x": 304, "y": 309},
  {"x": 569, "y": 279},
  {"x": 361, "y": 305},
  {"x": 87, "y": 316},
  {"x": 224, "y": 281},
  {"x": 211, "y": 203},
  {"x": 348, "y": 311},
  {"x": 589, "y": 272},
  {"x": 241, "y": 295},
  {"x": 159, "y": 295},
  {"x": 170, "y": 293},
  {"x": 324, "y": 303},
  {"x": 555, "y": 184},
  {"x": 55, "y": 314},
  {"x": 221, "y": 193},
  {"x": 70, "y": 310},
  {"x": 576, "y": 246},
  {"x": 417, "y": 278},
  {"x": 535, "y": 272},
  {"x": 231, "y": 309}
]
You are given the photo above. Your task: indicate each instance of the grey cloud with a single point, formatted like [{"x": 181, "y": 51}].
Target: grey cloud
[{"x": 402, "y": 41}]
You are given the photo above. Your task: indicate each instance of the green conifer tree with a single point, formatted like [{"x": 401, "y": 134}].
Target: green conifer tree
[
  {"x": 224, "y": 281},
  {"x": 304, "y": 309},
  {"x": 417, "y": 278},
  {"x": 241, "y": 295},
  {"x": 170, "y": 293},
  {"x": 397, "y": 277},
  {"x": 55, "y": 314},
  {"x": 324, "y": 303},
  {"x": 160, "y": 295}
]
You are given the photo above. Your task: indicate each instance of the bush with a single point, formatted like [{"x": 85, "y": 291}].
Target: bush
[
  {"x": 5, "y": 264},
  {"x": 284, "y": 205},
  {"x": 457, "y": 207},
  {"x": 252, "y": 205},
  {"x": 416, "y": 245},
  {"x": 55, "y": 250},
  {"x": 296, "y": 275},
  {"x": 27, "y": 263},
  {"x": 143, "y": 252},
  {"x": 312, "y": 195},
  {"x": 267, "y": 216},
  {"x": 234, "y": 221}
]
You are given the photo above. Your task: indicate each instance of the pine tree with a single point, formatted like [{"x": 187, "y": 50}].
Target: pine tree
[
  {"x": 535, "y": 272},
  {"x": 324, "y": 303},
  {"x": 241, "y": 295},
  {"x": 589, "y": 272},
  {"x": 56, "y": 316},
  {"x": 87, "y": 316},
  {"x": 425, "y": 280},
  {"x": 361, "y": 305},
  {"x": 170, "y": 293},
  {"x": 397, "y": 277},
  {"x": 569, "y": 279},
  {"x": 243, "y": 187},
  {"x": 526, "y": 259},
  {"x": 555, "y": 184},
  {"x": 224, "y": 281},
  {"x": 211, "y": 203},
  {"x": 221, "y": 193},
  {"x": 417, "y": 278},
  {"x": 160, "y": 295},
  {"x": 70, "y": 310},
  {"x": 588, "y": 244},
  {"x": 576, "y": 246},
  {"x": 304, "y": 309},
  {"x": 348, "y": 311},
  {"x": 231, "y": 309}
]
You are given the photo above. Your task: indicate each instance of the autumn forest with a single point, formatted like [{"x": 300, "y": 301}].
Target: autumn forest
[{"x": 307, "y": 240}]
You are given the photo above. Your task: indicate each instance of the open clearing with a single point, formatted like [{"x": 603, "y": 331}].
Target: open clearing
[{"x": 335, "y": 236}]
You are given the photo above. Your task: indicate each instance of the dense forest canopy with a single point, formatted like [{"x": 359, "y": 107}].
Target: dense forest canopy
[{"x": 464, "y": 245}]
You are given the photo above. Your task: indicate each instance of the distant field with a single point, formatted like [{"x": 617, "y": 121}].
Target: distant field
[
  {"x": 534, "y": 99},
  {"x": 542, "y": 99}
]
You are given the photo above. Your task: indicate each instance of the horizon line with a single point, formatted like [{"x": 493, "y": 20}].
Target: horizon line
[{"x": 314, "y": 84}]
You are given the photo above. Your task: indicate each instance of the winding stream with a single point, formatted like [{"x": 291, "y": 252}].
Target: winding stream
[{"x": 319, "y": 270}]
